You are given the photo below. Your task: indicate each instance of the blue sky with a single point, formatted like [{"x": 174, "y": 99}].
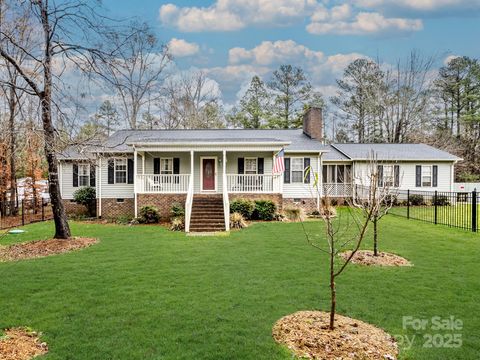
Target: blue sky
[{"x": 232, "y": 39}]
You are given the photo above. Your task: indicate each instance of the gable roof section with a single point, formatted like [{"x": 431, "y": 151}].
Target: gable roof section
[
  {"x": 395, "y": 152},
  {"x": 293, "y": 138}
]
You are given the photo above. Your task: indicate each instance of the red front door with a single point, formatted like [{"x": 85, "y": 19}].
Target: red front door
[{"x": 208, "y": 170}]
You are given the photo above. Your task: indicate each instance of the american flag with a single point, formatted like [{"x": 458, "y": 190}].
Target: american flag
[{"x": 279, "y": 165}]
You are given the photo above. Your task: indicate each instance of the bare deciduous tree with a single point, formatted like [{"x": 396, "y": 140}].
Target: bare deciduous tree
[
  {"x": 377, "y": 192},
  {"x": 342, "y": 230},
  {"x": 67, "y": 32},
  {"x": 137, "y": 71}
]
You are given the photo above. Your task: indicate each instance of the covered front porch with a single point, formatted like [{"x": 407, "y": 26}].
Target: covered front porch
[
  {"x": 212, "y": 172},
  {"x": 202, "y": 172}
]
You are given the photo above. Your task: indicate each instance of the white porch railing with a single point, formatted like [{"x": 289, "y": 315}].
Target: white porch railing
[
  {"x": 249, "y": 183},
  {"x": 174, "y": 184},
  {"x": 337, "y": 190}
]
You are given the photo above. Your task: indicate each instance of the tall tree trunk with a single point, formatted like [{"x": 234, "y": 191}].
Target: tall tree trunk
[
  {"x": 62, "y": 229},
  {"x": 375, "y": 236},
  {"x": 11, "y": 124}
]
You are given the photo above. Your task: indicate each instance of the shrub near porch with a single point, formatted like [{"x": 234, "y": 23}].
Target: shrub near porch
[{"x": 144, "y": 292}]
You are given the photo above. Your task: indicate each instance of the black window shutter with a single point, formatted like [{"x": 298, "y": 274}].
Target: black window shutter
[
  {"x": 176, "y": 165},
  {"x": 111, "y": 171},
  {"x": 241, "y": 165},
  {"x": 435, "y": 176},
  {"x": 130, "y": 171},
  {"x": 396, "y": 173},
  {"x": 286, "y": 174},
  {"x": 75, "y": 175},
  {"x": 156, "y": 166},
  {"x": 418, "y": 176},
  {"x": 306, "y": 170},
  {"x": 261, "y": 166},
  {"x": 380, "y": 175},
  {"x": 92, "y": 175}
]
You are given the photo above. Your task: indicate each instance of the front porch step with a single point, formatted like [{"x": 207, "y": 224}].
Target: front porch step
[{"x": 207, "y": 214}]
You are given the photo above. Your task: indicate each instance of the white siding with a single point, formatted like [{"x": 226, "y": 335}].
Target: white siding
[
  {"x": 407, "y": 175},
  {"x": 66, "y": 178},
  {"x": 302, "y": 190},
  {"x": 113, "y": 191}
]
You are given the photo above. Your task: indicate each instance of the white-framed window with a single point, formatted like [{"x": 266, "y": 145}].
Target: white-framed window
[
  {"x": 166, "y": 166},
  {"x": 296, "y": 164},
  {"x": 120, "y": 171},
  {"x": 389, "y": 175},
  {"x": 251, "y": 165},
  {"x": 83, "y": 175},
  {"x": 427, "y": 175}
]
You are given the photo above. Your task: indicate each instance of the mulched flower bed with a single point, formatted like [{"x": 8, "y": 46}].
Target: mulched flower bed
[
  {"x": 306, "y": 333},
  {"x": 21, "y": 344},
  {"x": 366, "y": 257},
  {"x": 42, "y": 248}
]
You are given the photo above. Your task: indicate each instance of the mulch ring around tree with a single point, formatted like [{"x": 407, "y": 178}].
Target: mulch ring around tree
[
  {"x": 366, "y": 257},
  {"x": 306, "y": 333},
  {"x": 21, "y": 344},
  {"x": 42, "y": 248}
]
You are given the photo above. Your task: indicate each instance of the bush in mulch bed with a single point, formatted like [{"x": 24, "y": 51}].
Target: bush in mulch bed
[
  {"x": 306, "y": 333},
  {"x": 42, "y": 248},
  {"x": 366, "y": 257},
  {"x": 21, "y": 344}
]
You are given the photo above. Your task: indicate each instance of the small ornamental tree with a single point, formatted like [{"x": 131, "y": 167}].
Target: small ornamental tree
[
  {"x": 86, "y": 196},
  {"x": 378, "y": 194},
  {"x": 340, "y": 230}
]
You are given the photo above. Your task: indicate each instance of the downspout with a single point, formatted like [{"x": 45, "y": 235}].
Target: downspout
[
  {"x": 135, "y": 179},
  {"x": 320, "y": 180},
  {"x": 100, "y": 187}
]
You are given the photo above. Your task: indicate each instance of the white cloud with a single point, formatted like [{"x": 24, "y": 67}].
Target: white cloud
[
  {"x": 230, "y": 15},
  {"x": 361, "y": 24},
  {"x": 268, "y": 53},
  {"x": 182, "y": 48},
  {"x": 263, "y": 59}
]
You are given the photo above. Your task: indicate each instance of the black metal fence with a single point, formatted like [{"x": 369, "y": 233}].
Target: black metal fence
[
  {"x": 454, "y": 209},
  {"x": 13, "y": 213}
]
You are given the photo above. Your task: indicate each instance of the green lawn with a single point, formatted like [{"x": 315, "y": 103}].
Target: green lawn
[{"x": 146, "y": 293}]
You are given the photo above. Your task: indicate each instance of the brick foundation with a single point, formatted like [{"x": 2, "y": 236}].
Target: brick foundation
[
  {"x": 163, "y": 202},
  {"x": 113, "y": 209},
  {"x": 276, "y": 198}
]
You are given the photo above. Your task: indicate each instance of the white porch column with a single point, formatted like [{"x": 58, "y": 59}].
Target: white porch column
[
  {"x": 135, "y": 179},
  {"x": 224, "y": 169},
  {"x": 99, "y": 179},
  {"x": 192, "y": 166},
  {"x": 320, "y": 180}
]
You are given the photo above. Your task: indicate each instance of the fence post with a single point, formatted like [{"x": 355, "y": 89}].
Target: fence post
[
  {"x": 435, "y": 202},
  {"x": 23, "y": 212},
  {"x": 474, "y": 211},
  {"x": 43, "y": 209},
  {"x": 408, "y": 204}
]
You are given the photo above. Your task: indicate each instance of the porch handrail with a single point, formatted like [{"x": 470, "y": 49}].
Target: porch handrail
[
  {"x": 163, "y": 183},
  {"x": 253, "y": 183},
  {"x": 188, "y": 205}
]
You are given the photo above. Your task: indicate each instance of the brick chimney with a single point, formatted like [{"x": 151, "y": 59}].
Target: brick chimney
[{"x": 313, "y": 123}]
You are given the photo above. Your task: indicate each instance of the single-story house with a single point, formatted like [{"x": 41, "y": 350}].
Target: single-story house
[{"x": 205, "y": 169}]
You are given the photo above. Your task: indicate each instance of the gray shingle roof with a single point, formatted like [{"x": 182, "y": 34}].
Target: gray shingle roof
[
  {"x": 394, "y": 152},
  {"x": 121, "y": 140}
]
